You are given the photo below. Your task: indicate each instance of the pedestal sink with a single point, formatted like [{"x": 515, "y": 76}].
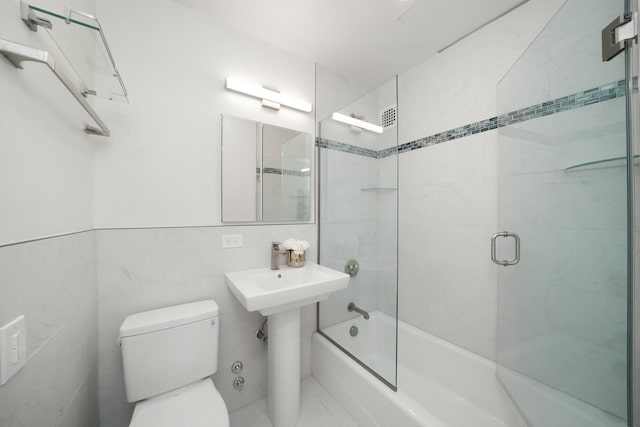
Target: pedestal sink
[{"x": 279, "y": 294}]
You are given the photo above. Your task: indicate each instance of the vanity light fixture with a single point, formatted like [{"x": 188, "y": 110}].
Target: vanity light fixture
[
  {"x": 356, "y": 122},
  {"x": 305, "y": 170},
  {"x": 270, "y": 98}
]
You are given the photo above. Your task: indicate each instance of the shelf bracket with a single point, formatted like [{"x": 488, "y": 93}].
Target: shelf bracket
[
  {"x": 17, "y": 53},
  {"x": 30, "y": 18}
]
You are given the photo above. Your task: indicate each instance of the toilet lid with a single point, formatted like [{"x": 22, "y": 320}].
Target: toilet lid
[{"x": 195, "y": 405}]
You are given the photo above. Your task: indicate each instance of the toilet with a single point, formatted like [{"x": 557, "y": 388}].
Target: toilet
[{"x": 168, "y": 355}]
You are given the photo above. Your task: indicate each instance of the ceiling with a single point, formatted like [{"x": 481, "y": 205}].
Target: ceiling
[{"x": 369, "y": 40}]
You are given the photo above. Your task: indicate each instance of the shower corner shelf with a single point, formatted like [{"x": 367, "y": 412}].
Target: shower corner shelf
[{"x": 613, "y": 162}]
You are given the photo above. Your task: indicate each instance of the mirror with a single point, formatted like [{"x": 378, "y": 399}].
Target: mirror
[{"x": 267, "y": 172}]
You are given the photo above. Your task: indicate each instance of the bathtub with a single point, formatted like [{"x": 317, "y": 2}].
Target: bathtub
[{"x": 439, "y": 384}]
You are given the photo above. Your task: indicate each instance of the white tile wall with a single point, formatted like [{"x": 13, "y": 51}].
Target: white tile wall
[
  {"x": 458, "y": 86},
  {"x": 448, "y": 211},
  {"x": 144, "y": 269},
  {"x": 548, "y": 72},
  {"x": 52, "y": 282}
]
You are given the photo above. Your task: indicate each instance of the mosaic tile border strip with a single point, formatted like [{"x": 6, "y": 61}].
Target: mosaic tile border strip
[
  {"x": 346, "y": 148},
  {"x": 277, "y": 171},
  {"x": 577, "y": 100}
]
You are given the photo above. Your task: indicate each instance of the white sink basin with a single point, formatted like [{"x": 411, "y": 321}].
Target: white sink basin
[
  {"x": 273, "y": 291},
  {"x": 279, "y": 294}
]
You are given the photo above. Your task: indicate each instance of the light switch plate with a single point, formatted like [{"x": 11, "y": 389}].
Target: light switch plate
[
  {"x": 13, "y": 348},
  {"x": 231, "y": 241}
]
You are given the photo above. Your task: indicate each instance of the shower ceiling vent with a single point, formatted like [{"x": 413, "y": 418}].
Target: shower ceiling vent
[{"x": 389, "y": 116}]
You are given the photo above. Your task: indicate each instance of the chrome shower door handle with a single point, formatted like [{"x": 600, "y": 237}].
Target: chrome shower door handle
[{"x": 505, "y": 262}]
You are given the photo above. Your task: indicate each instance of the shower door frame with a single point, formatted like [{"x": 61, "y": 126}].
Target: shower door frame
[
  {"x": 632, "y": 69},
  {"x": 632, "y": 106}
]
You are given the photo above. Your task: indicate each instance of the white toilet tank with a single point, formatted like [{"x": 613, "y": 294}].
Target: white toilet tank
[{"x": 168, "y": 348}]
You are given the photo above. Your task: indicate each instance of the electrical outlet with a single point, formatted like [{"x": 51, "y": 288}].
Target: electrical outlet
[
  {"x": 13, "y": 348},
  {"x": 231, "y": 241}
]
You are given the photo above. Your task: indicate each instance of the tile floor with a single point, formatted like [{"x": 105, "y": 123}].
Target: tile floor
[{"x": 317, "y": 409}]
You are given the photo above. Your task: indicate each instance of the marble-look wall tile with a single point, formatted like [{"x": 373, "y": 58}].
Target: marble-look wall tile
[
  {"x": 143, "y": 269},
  {"x": 52, "y": 282},
  {"x": 570, "y": 42},
  {"x": 445, "y": 92},
  {"x": 565, "y": 304},
  {"x": 563, "y": 140},
  {"x": 448, "y": 210}
]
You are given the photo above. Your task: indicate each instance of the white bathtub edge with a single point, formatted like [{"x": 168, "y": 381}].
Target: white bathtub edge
[{"x": 368, "y": 400}]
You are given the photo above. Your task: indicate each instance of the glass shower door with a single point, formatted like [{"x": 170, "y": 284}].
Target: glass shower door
[
  {"x": 358, "y": 228},
  {"x": 563, "y": 194}
]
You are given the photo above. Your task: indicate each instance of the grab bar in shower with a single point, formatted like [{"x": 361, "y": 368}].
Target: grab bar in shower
[
  {"x": 17, "y": 53},
  {"x": 353, "y": 307}
]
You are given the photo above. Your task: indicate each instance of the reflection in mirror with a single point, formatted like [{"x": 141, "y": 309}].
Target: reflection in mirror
[
  {"x": 240, "y": 180},
  {"x": 286, "y": 184},
  {"x": 266, "y": 172}
]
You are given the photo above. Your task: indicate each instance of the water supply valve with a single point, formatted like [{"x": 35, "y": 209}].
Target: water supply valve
[
  {"x": 261, "y": 334},
  {"x": 238, "y": 383},
  {"x": 237, "y": 366}
]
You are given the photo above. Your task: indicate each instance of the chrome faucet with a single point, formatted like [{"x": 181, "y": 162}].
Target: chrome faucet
[
  {"x": 353, "y": 307},
  {"x": 275, "y": 255}
]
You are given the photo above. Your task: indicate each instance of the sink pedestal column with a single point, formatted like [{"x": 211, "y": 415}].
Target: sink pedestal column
[{"x": 284, "y": 368}]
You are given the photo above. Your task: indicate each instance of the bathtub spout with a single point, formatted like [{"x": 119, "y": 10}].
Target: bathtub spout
[{"x": 353, "y": 307}]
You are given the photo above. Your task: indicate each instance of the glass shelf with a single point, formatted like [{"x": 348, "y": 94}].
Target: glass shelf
[
  {"x": 614, "y": 162},
  {"x": 378, "y": 189},
  {"x": 80, "y": 38}
]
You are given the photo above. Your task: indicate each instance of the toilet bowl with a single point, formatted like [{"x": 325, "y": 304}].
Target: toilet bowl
[
  {"x": 168, "y": 355},
  {"x": 194, "y": 405}
]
